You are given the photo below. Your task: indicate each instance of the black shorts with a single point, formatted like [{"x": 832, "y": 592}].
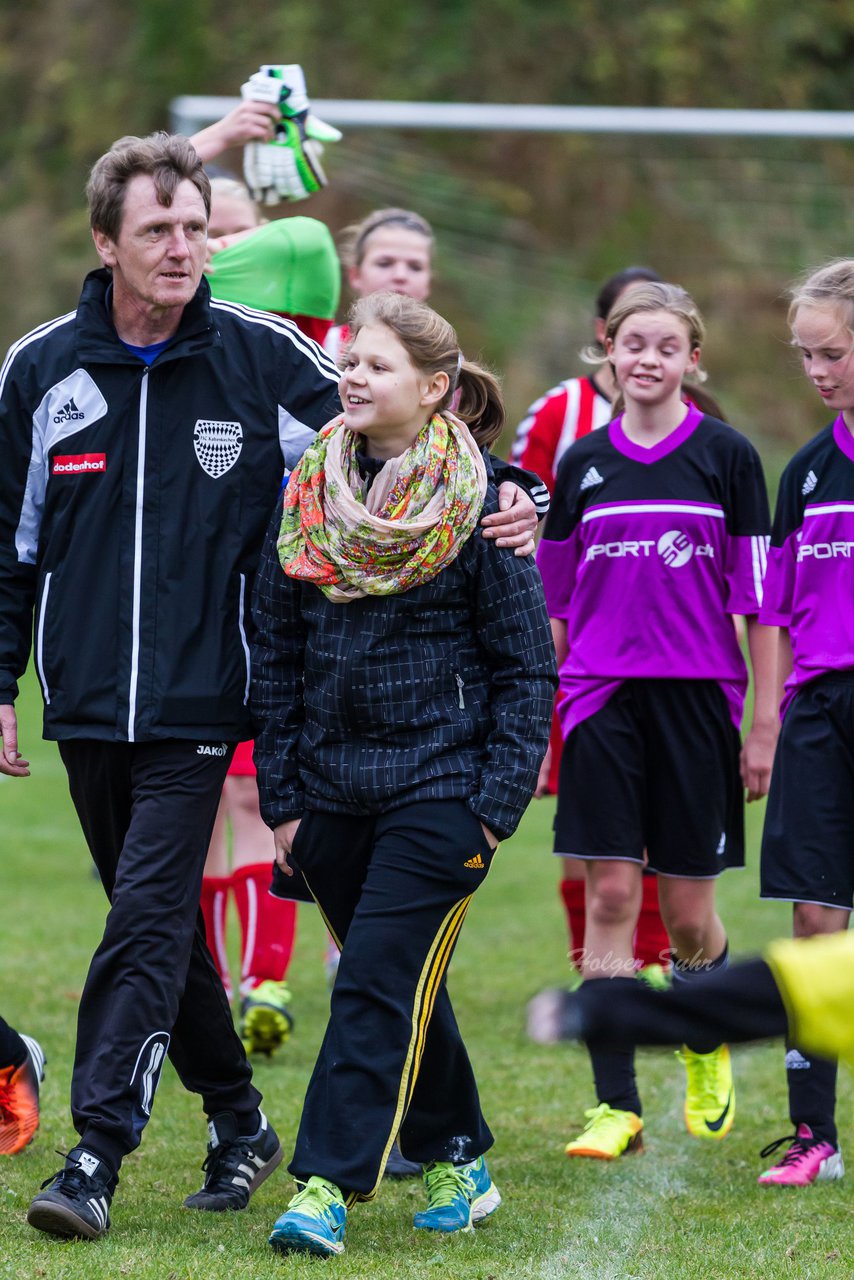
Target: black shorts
[
  {"x": 655, "y": 769},
  {"x": 808, "y": 841}
]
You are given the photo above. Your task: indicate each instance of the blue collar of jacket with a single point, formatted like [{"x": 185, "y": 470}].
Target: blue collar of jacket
[{"x": 96, "y": 339}]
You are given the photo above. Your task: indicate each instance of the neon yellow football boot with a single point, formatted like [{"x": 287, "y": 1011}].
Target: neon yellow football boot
[
  {"x": 710, "y": 1093},
  {"x": 608, "y": 1134}
]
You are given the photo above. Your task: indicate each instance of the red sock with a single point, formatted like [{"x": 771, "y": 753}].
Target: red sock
[
  {"x": 572, "y": 892},
  {"x": 652, "y": 945},
  {"x": 268, "y": 926},
  {"x": 556, "y": 744},
  {"x": 214, "y": 904}
]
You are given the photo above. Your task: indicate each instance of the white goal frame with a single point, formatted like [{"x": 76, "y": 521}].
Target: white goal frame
[{"x": 190, "y": 113}]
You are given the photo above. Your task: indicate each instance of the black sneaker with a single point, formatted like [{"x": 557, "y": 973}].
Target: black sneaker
[
  {"x": 397, "y": 1165},
  {"x": 235, "y": 1166},
  {"x": 76, "y": 1201}
]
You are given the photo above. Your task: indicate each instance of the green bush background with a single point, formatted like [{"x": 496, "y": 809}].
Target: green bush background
[{"x": 527, "y": 225}]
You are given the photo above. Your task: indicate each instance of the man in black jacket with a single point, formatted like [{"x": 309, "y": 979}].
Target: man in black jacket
[{"x": 144, "y": 439}]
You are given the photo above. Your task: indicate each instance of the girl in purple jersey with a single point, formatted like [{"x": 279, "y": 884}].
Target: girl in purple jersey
[
  {"x": 807, "y": 854},
  {"x": 656, "y": 537}
]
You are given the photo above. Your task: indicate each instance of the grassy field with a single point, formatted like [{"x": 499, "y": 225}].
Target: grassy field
[{"x": 681, "y": 1211}]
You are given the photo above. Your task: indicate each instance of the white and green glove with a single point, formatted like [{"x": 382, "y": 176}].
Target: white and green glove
[{"x": 288, "y": 168}]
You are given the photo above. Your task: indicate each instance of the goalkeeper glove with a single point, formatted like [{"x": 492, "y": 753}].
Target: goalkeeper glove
[{"x": 288, "y": 168}]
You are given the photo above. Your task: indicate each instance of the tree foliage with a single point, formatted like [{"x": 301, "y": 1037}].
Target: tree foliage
[{"x": 75, "y": 74}]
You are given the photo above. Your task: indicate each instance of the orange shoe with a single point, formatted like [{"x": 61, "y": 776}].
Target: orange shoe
[{"x": 19, "y": 1099}]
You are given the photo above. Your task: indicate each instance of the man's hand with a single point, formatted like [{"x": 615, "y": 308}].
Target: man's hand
[
  {"x": 283, "y": 838},
  {"x": 12, "y": 762},
  {"x": 287, "y": 167},
  {"x": 515, "y": 521},
  {"x": 249, "y": 121}
]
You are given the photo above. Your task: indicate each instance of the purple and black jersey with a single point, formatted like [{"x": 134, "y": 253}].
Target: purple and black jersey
[
  {"x": 810, "y": 583},
  {"x": 647, "y": 552}
]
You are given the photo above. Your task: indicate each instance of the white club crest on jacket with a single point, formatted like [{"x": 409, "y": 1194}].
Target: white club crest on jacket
[{"x": 217, "y": 445}]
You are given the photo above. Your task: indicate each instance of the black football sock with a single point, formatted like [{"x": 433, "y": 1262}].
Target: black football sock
[
  {"x": 614, "y": 1067},
  {"x": 812, "y": 1092},
  {"x": 691, "y": 971},
  {"x": 13, "y": 1051}
]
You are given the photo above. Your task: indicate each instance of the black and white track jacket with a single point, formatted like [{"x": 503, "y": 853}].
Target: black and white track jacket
[{"x": 133, "y": 505}]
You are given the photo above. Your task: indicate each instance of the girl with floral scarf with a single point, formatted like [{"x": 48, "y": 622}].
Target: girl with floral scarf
[{"x": 403, "y": 675}]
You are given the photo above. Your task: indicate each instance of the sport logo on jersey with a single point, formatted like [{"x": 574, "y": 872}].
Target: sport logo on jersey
[
  {"x": 674, "y": 547},
  {"x": 809, "y": 484},
  {"x": 825, "y": 551},
  {"x": 71, "y": 405},
  {"x": 217, "y": 445},
  {"x": 69, "y": 413},
  {"x": 78, "y": 464},
  {"x": 591, "y": 479}
]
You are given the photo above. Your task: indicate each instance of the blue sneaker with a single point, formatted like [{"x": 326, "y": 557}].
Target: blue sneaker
[
  {"x": 458, "y": 1196},
  {"x": 313, "y": 1221}
]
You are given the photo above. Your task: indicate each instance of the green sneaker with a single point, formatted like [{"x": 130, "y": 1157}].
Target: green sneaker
[
  {"x": 459, "y": 1196},
  {"x": 710, "y": 1093},
  {"x": 608, "y": 1134},
  {"x": 574, "y": 978},
  {"x": 265, "y": 1020},
  {"x": 656, "y": 977},
  {"x": 313, "y": 1221}
]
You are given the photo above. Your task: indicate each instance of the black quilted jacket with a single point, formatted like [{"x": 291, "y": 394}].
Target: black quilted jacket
[{"x": 442, "y": 691}]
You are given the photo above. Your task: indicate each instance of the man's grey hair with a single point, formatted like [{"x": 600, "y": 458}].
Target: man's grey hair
[{"x": 166, "y": 158}]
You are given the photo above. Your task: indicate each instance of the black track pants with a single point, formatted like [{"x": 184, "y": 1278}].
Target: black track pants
[
  {"x": 147, "y": 811},
  {"x": 394, "y": 890}
]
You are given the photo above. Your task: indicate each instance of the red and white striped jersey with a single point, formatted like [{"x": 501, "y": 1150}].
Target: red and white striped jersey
[
  {"x": 336, "y": 340},
  {"x": 569, "y": 411}
]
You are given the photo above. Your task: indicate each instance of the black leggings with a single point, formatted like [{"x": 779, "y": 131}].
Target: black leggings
[{"x": 737, "y": 1004}]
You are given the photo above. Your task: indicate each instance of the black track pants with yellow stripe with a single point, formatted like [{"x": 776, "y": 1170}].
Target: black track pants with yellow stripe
[{"x": 394, "y": 890}]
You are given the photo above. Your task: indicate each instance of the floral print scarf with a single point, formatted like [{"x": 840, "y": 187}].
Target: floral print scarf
[{"x": 354, "y": 541}]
